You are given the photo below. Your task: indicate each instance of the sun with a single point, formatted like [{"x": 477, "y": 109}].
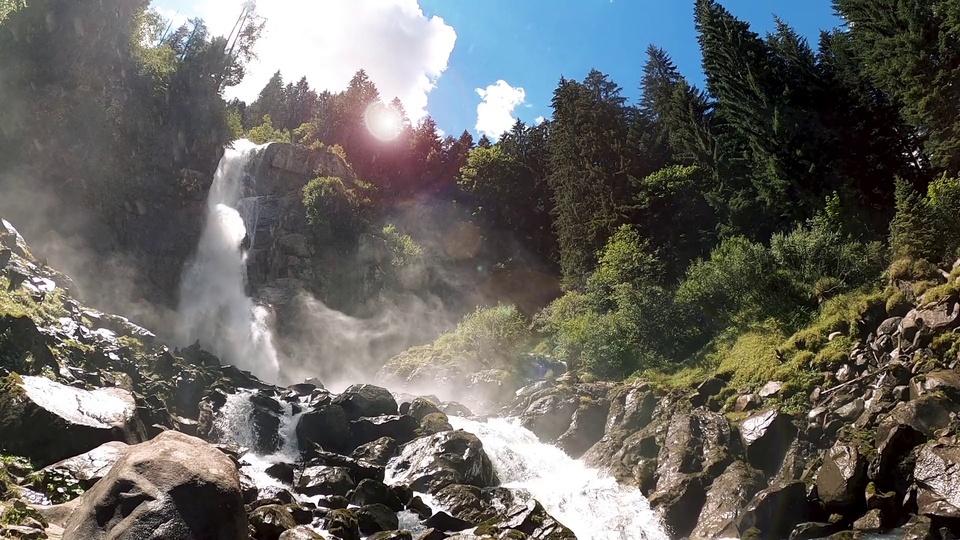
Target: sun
[{"x": 383, "y": 122}]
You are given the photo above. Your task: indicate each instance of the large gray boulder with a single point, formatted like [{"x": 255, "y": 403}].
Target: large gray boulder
[
  {"x": 937, "y": 474},
  {"x": 47, "y": 421},
  {"x": 327, "y": 426},
  {"x": 91, "y": 466},
  {"x": 842, "y": 477},
  {"x": 728, "y": 494},
  {"x": 361, "y": 400},
  {"x": 767, "y": 435},
  {"x": 429, "y": 464},
  {"x": 174, "y": 487}
]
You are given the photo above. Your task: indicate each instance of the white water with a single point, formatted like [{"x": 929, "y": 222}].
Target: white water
[
  {"x": 214, "y": 306},
  {"x": 594, "y": 506}
]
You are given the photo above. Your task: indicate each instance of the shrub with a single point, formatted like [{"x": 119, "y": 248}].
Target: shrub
[
  {"x": 500, "y": 330},
  {"x": 335, "y": 212},
  {"x": 265, "y": 133}
]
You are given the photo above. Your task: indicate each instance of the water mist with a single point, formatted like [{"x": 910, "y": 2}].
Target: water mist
[{"x": 214, "y": 307}]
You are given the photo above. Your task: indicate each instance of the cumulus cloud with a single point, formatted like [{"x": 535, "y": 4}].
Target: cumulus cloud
[
  {"x": 495, "y": 112},
  {"x": 539, "y": 120},
  {"x": 402, "y": 50}
]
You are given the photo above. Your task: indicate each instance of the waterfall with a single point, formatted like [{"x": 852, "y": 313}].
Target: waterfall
[
  {"x": 591, "y": 504},
  {"x": 214, "y": 307}
]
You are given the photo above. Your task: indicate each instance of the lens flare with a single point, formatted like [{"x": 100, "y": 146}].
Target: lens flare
[{"x": 382, "y": 122}]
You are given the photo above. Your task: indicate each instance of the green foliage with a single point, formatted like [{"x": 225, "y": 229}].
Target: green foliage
[
  {"x": 9, "y": 6},
  {"x": 500, "y": 330},
  {"x": 406, "y": 252},
  {"x": 59, "y": 486},
  {"x": 925, "y": 227},
  {"x": 265, "y": 132},
  {"x": 335, "y": 212}
]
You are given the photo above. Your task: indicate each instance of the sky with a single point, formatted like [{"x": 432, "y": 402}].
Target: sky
[{"x": 478, "y": 66}]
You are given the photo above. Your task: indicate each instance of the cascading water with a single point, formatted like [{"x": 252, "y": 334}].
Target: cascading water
[
  {"x": 214, "y": 306},
  {"x": 592, "y": 505}
]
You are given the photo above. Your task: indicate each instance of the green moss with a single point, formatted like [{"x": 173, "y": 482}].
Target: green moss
[
  {"x": 908, "y": 269},
  {"x": 17, "y": 512},
  {"x": 19, "y": 303},
  {"x": 941, "y": 293},
  {"x": 946, "y": 346},
  {"x": 897, "y": 302}
]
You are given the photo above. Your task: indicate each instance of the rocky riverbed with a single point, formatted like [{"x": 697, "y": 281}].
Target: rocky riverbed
[{"x": 108, "y": 433}]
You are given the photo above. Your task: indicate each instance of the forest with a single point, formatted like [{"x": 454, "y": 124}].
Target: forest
[{"x": 728, "y": 229}]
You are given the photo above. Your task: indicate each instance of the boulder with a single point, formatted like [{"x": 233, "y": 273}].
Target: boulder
[
  {"x": 550, "y": 415},
  {"x": 322, "y": 480},
  {"x": 771, "y": 389},
  {"x": 342, "y": 524},
  {"x": 300, "y": 533},
  {"x": 421, "y": 407},
  {"x": 375, "y": 518},
  {"x": 431, "y": 463},
  {"x": 812, "y": 530},
  {"x": 47, "y": 421},
  {"x": 391, "y": 535},
  {"x": 918, "y": 528},
  {"x": 452, "y": 408},
  {"x": 370, "y": 491},
  {"x": 327, "y": 426},
  {"x": 281, "y": 471},
  {"x": 359, "y": 470},
  {"x": 420, "y": 508},
  {"x": 271, "y": 521},
  {"x": 586, "y": 428},
  {"x": 91, "y": 466},
  {"x": 529, "y": 519},
  {"x": 377, "y": 452},
  {"x": 872, "y": 521},
  {"x": 767, "y": 436},
  {"x": 706, "y": 390},
  {"x": 945, "y": 381},
  {"x": 434, "y": 423},
  {"x": 748, "y": 402},
  {"x": 774, "y": 511},
  {"x": 174, "y": 487},
  {"x": 937, "y": 475},
  {"x": 842, "y": 477},
  {"x": 728, "y": 494},
  {"x": 907, "y": 426},
  {"x": 366, "y": 400},
  {"x": 443, "y": 521},
  {"x": 920, "y": 325},
  {"x": 472, "y": 504},
  {"x": 400, "y": 428}
]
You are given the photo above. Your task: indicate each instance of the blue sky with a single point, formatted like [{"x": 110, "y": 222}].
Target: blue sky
[
  {"x": 531, "y": 43},
  {"x": 528, "y": 44}
]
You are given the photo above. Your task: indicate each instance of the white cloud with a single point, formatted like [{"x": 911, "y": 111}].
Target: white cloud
[
  {"x": 539, "y": 120},
  {"x": 327, "y": 41},
  {"x": 495, "y": 112}
]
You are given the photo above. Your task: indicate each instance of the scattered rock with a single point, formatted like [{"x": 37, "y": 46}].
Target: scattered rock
[
  {"x": 322, "y": 480},
  {"x": 842, "y": 477},
  {"x": 775, "y": 511},
  {"x": 870, "y": 522},
  {"x": 327, "y": 426},
  {"x": 366, "y": 400},
  {"x": 377, "y": 452},
  {"x": 730, "y": 492},
  {"x": 271, "y": 521},
  {"x": 300, "y": 533},
  {"x": 343, "y": 524},
  {"x": 748, "y": 402},
  {"x": 400, "y": 428},
  {"x": 771, "y": 389},
  {"x": 937, "y": 474},
  {"x": 766, "y": 436},
  {"x": 91, "y": 466},
  {"x": 374, "y": 518},
  {"x": 370, "y": 492}
]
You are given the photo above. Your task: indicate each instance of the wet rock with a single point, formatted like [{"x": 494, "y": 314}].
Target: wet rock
[
  {"x": 920, "y": 325},
  {"x": 586, "y": 428},
  {"x": 359, "y": 470},
  {"x": 342, "y": 524},
  {"x": 871, "y": 522},
  {"x": 730, "y": 492},
  {"x": 281, "y": 471},
  {"x": 431, "y": 463},
  {"x": 812, "y": 530},
  {"x": 91, "y": 466},
  {"x": 918, "y": 528},
  {"x": 321, "y": 480},
  {"x": 377, "y": 452},
  {"x": 443, "y": 521},
  {"x": 327, "y": 427},
  {"x": 432, "y": 534},
  {"x": 271, "y": 521},
  {"x": 889, "y": 326},
  {"x": 174, "y": 486},
  {"x": 766, "y": 436},
  {"x": 47, "y": 421},
  {"x": 842, "y": 477},
  {"x": 400, "y": 428},
  {"x": 907, "y": 426},
  {"x": 421, "y": 407},
  {"x": 266, "y": 424},
  {"x": 434, "y": 423},
  {"x": 301, "y": 533},
  {"x": 631, "y": 407},
  {"x": 375, "y": 518},
  {"x": 937, "y": 474},
  {"x": 775, "y": 511},
  {"x": 391, "y": 535},
  {"x": 468, "y": 503},
  {"x": 550, "y": 416},
  {"x": 366, "y": 400},
  {"x": 845, "y": 373},
  {"x": 850, "y": 412},
  {"x": 771, "y": 389},
  {"x": 372, "y": 492},
  {"x": 748, "y": 402},
  {"x": 417, "y": 506},
  {"x": 530, "y": 519},
  {"x": 452, "y": 408}
]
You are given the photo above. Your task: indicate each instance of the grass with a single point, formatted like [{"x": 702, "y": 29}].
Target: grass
[
  {"x": 18, "y": 303},
  {"x": 941, "y": 293}
]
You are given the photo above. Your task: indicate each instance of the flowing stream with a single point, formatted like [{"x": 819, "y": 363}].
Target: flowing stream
[
  {"x": 214, "y": 306},
  {"x": 594, "y": 506}
]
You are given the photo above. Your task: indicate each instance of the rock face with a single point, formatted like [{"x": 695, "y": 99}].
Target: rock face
[
  {"x": 452, "y": 457},
  {"x": 842, "y": 477},
  {"x": 728, "y": 494},
  {"x": 766, "y": 436},
  {"x": 174, "y": 487},
  {"x": 48, "y": 421},
  {"x": 937, "y": 474}
]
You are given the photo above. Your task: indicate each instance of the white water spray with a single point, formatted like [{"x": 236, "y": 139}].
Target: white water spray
[
  {"x": 214, "y": 307},
  {"x": 594, "y": 506}
]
